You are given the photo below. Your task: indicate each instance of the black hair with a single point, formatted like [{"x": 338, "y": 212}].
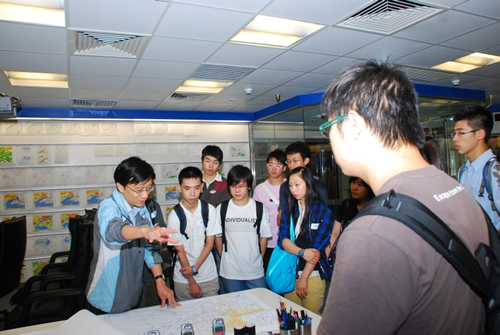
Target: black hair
[
  {"x": 478, "y": 118},
  {"x": 133, "y": 170},
  {"x": 370, "y": 195},
  {"x": 278, "y": 154},
  {"x": 239, "y": 173},
  {"x": 312, "y": 194},
  {"x": 383, "y": 95},
  {"x": 433, "y": 155},
  {"x": 214, "y": 151},
  {"x": 190, "y": 172},
  {"x": 299, "y": 147}
]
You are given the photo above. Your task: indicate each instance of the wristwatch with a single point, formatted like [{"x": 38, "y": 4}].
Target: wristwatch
[
  {"x": 195, "y": 272},
  {"x": 160, "y": 276},
  {"x": 301, "y": 253}
]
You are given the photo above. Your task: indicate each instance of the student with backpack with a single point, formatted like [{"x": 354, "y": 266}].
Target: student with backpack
[
  {"x": 479, "y": 174},
  {"x": 245, "y": 231},
  {"x": 195, "y": 274},
  {"x": 312, "y": 223},
  {"x": 387, "y": 278}
]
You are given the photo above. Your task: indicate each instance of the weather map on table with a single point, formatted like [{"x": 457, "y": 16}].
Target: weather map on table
[{"x": 236, "y": 310}]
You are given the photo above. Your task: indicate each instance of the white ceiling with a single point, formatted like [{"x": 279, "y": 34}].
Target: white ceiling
[{"x": 183, "y": 35}]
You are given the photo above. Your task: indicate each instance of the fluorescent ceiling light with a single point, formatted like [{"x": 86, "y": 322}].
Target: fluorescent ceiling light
[
  {"x": 467, "y": 63},
  {"x": 37, "y": 79},
  {"x": 274, "y": 32},
  {"x": 203, "y": 86},
  {"x": 29, "y": 14}
]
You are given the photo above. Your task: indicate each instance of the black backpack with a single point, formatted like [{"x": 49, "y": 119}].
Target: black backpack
[
  {"x": 480, "y": 271},
  {"x": 182, "y": 217},
  {"x": 223, "y": 212}
]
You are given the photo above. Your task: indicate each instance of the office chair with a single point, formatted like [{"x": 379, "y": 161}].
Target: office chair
[{"x": 12, "y": 251}]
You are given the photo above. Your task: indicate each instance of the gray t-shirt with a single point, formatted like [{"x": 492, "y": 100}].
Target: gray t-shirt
[{"x": 388, "y": 280}]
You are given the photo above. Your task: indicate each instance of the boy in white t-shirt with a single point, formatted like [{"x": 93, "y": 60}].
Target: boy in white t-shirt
[
  {"x": 243, "y": 243},
  {"x": 195, "y": 274},
  {"x": 268, "y": 193}
]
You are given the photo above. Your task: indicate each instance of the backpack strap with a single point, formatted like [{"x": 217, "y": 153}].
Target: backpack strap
[
  {"x": 260, "y": 210},
  {"x": 223, "y": 211},
  {"x": 182, "y": 219},
  {"x": 431, "y": 228},
  {"x": 486, "y": 183},
  {"x": 204, "y": 213}
]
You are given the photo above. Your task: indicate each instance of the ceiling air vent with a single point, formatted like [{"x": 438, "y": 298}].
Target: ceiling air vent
[
  {"x": 188, "y": 97},
  {"x": 101, "y": 104},
  {"x": 105, "y": 44},
  {"x": 221, "y": 72},
  {"x": 417, "y": 73},
  {"x": 389, "y": 16}
]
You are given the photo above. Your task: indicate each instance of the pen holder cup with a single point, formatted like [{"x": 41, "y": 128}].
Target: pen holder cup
[
  {"x": 305, "y": 330},
  {"x": 289, "y": 332}
]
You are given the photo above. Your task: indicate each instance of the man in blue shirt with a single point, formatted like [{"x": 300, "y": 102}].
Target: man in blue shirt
[
  {"x": 471, "y": 134},
  {"x": 122, "y": 228}
]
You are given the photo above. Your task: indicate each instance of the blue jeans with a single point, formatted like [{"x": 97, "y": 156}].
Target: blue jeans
[{"x": 234, "y": 285}]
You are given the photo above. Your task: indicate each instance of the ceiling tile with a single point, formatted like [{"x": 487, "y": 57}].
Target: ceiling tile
[
  {"x": 270, "y": 76},
  {"x": 45, "y": 103},
  {"x": 391, "y": 48},
  {"x": 492, "y": 70},
  {"x": 102, "y": 66},
  {"x": 311, "y": 80},
  {"x": 32, "y": 38},
  {"x": 336, "y": 41},
  {"x": 153, "y": 84},
  {"x": 97, "y": 82},
  {"x": 243, "y": 55},
  {"x": 246, "y": 6},
  {"x": 217, "y": 24},
  {"x": 444, "y": 26},
  {"x": 144, "y": 95},
  {"x": 33, "y": 62},
  {"x": 489, "y": 8},
  {"x": 181, "y": 50},
  {"x": 117, "y": 16},
  {"x": 94, "y": 94},
  {"x": 335, "y": 66},
  {"x": 314, "y": 10},
  {"x": 298, "y": 61},
  {"x": 136, "y": 104},
  {"x": 231, "y": 98},
  {"x": 43, "y": 92},
  {"x": 214, "y": 107},
  {"x": 239, "y": 88},
  {"x": 177, "y": 106},
  {"x": 164, "y": 69},
  {"x": 477, "y": 40},
  {"x": 286, "y": 92},
  {"x": 432, "y": 56}
]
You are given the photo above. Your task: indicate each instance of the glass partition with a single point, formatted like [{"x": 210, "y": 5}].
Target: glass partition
[{"x": 302, "y": 123}]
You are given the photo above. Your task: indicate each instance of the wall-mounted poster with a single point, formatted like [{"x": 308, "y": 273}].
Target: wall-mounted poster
[
  {"x": 13, "y": 201},
  {"x": 65, "y": 219},
  {"x": 171, "y": 193},
  {"x": 69, "y": 198},
  {"x": 6, "y": 155},
  {"x": 43, "y": 200},
  {"x": 43, "y": 222},
  {"x": 94, "y": 197}
]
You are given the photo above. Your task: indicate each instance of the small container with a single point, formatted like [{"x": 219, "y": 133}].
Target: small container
[
  {"x": 289, "y": 332},
  {"x": 250, "y": 330},
  {"x": 239, "y": 330},
  {"x": 305, "y": 330}
]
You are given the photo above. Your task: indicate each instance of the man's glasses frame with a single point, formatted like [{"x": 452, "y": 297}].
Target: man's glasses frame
[
  {"x": 324, "y": 129},
  {"x": 279, "y": 166},
  {"x": 460, "y": 133},
  {"x": 142, "y": 190}
]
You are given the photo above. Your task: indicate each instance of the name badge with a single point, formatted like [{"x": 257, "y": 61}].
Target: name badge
[
  {"x": 314, "y": 226},
  {"x": 153, "y": 215},
  {"x": 213, "y": 191}
]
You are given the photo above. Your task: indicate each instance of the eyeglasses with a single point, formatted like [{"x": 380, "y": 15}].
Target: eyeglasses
[
  {"x": 270, "y": 165},
  {"x": 460, "y": 133},
  {"x": 295, "y": 162},
  {"x": 324, "y": 129},
  {"x": 142, "y": 190},
  {"x": 239, "y": 187}
]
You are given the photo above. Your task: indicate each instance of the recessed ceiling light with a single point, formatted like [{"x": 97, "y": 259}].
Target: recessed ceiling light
[
  {"x": 203, "y": 86},
  {"x": 467, "y": 63},
  {"x": 44, "y": 12},
  {"x": 275, "y": 32},
  {"x": 37, "y": 79}
]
